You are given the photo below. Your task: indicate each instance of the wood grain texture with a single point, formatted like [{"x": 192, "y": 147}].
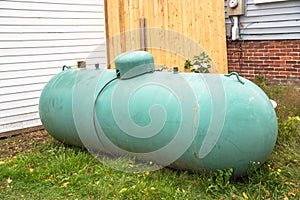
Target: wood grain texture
[{"x": 176, "y": 30}]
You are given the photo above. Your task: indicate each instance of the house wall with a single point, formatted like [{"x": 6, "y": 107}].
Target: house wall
[
  {"x": 38, "y": 37},
  {"x": 269, "y": 42},
  {"x": 277, "y": 60},
  {"x": 268, "y": 21}
]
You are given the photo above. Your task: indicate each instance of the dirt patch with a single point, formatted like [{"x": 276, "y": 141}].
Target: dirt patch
[{"x": 11, "y": 146}]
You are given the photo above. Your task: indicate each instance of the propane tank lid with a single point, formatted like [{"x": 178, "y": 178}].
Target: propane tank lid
[{"x": 134, "y": 63}]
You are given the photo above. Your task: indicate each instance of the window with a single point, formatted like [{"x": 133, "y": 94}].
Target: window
[{"x": 267, "y": 1}]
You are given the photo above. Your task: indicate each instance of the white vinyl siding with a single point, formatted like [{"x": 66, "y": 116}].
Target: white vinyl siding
[
  {"x": 38, "y": 37},
  {"x": 269, "y": 21}
]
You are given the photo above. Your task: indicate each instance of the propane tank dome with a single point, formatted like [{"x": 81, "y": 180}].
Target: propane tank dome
[{"x": 134, "y": 63}]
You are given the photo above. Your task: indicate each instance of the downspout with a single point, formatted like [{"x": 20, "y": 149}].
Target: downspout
[{"x": 235, "y": 31}]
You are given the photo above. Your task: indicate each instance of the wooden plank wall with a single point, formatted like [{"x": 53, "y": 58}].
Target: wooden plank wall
[{"x": 176, "y": 29}]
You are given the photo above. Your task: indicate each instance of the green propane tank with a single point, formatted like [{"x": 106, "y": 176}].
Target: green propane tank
[{"x": 192, "y": 121}]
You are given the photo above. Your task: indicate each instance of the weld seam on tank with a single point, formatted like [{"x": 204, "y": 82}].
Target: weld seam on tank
[{"x": 95, "y": 102}]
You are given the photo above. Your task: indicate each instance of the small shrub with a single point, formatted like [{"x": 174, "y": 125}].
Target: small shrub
[
  {"x": 188, "y": 64},
  {"x": 261, "y": 81},
  {"x": 200, "y": 63}
]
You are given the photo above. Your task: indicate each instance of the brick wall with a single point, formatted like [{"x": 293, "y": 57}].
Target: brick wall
[{"x": 278, "y": 61}]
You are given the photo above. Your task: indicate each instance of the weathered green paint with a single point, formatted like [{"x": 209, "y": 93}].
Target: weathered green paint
[
  {"x": 248, "y": 133},
  {"x": 133, "y": 63}
]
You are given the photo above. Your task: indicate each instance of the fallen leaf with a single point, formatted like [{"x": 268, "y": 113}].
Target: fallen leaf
[
  {"x": 245, "y": 196},
  {"x": 64, "y": 185},
  {"x": 292, "y": 193},
  {"x": 8, "y": 181},
  {"x": 71, "y": 194},
  {"x": 123, "y": 190}
]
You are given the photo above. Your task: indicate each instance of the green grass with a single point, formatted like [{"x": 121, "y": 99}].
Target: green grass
[{"x": 55, "y": 171}]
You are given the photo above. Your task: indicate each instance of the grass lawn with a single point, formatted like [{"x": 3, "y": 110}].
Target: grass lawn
[{"x": 35, "y": 166}]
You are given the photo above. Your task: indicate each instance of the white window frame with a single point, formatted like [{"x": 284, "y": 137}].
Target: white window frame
[{"x": 266, "y": 1}]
